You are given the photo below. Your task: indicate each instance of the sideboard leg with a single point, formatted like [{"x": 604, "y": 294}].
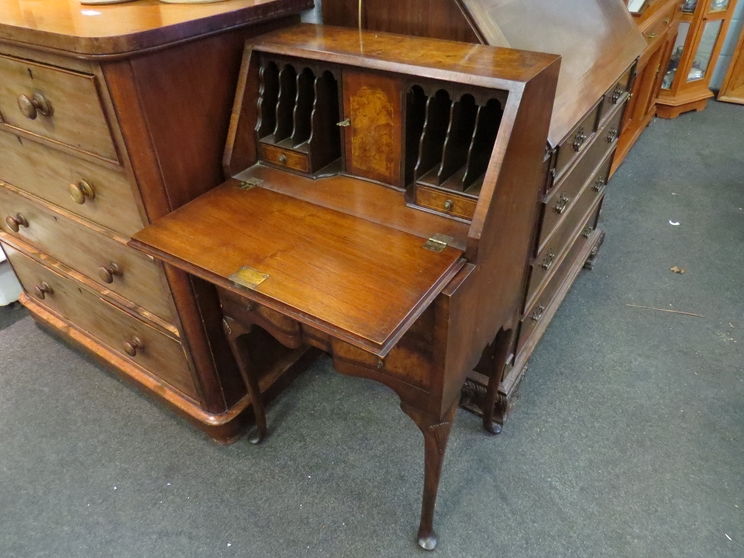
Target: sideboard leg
[
  {"x": 234, "y": 330},
  {"x": 502, "y": 343},
  {"x": 436, "y": 433}
]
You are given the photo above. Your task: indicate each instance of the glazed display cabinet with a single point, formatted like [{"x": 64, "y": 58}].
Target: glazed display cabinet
[{"x": 702, "y": 30}]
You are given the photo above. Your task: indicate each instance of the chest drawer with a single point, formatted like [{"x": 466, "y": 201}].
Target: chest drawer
[
  {"x": 562, "y": 201},
  {"x": 615, "y": 95},
  {"x": 58, "y": 104},
  {"x": 130, "y": 337},
  {"x": 103, "y": 259},
  {"x": 61, "y": 179},
  {"x": 570, "y": 148}
]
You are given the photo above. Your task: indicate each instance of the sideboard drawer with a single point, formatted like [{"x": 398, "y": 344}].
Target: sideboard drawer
[
  {"x": 103, "y": 259},
  {"x": 58, "y": 104},
  {"x": 61, "y": 179},
  {"x": 121, "y": 332}
]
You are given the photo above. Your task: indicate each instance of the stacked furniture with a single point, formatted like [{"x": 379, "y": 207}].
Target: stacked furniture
[
  {"x": 599, "y": 43},
  {"x": 109, "y": 119},
  {"x": 658, "y": 20}
]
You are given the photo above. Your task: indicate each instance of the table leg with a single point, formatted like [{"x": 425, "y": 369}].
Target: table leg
[
  {"x": 502, "y": 343},
  {"x": 234, "y": 330},
  {"x": 436, "y": 433}
]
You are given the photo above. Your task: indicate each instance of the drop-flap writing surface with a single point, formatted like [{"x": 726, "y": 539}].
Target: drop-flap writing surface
[{"x": 360, "y": 281}]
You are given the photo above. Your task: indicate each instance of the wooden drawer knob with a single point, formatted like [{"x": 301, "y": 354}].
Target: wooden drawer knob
[
  {"x": 40, "y": 291},
  {"x": 80, "y": 191},
  {"x": 15, "y": 223},
  {"x": 107, "y": 272},
  {"x": 32, "y": 106},
  {"x": 132, "y": 346}
]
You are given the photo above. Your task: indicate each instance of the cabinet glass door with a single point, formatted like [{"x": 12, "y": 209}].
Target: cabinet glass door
[
  {"x": 705, "y": 50},
  {"x": 679, "y": 46},
  {"x": 719, "y": 5}
]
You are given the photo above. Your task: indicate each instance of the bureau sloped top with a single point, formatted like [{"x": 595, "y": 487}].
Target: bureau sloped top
[
  {"x": 360, "y": 281},
  {"x": 118, "y": 29}
]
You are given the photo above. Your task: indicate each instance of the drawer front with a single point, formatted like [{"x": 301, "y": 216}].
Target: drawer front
[
  {"x": 552, "y": 254},
  {"x": 57, "y": 104},
  {"x": 615, "y": 95},
  {"x": 448, "y": 203},
  {"x": 61, "y": 178},
  {"x": 576, "y": 142},
  {"x": 110, "y": 263},
  {"x": 126, "y": 335},
  {"x": 536, "y": 312},
  {"x": 560, "y": 204},
  {"x": 285, "y": 158}
]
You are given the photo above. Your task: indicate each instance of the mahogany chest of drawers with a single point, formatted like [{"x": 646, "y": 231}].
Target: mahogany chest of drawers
[{"x": 110, "y": 118}]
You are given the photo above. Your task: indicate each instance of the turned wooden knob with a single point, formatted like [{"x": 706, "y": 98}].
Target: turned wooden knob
[
  {"x": 32, "y": 106},
  {"x": 132, "y": 346},
  {"x": 42, "y": 290},
  {"x": 107, "y": 272},
  {"x": 15, "y": 223},
  {"x": 80, "y": 191}
]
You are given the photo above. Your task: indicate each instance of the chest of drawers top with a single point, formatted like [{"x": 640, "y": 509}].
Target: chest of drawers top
[{"x": 111, "y": 31}]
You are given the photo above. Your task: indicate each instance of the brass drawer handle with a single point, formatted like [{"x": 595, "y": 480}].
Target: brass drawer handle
[
  {"x": 40, "y": 291},
  {"x": 15, "y": 223},
  {"x": 562, "y": 204},
  {"x": 132, "y": 346},
  {"x": 652, "y": 35},
  {"x": 345, "y": 123},
  {"x": 32, "y": 106},
  {"x": 612, "y": 135},
  {"x": 80, "y": 191},
  {"x": 538, "y": 313},
  {"x": 617, "y": 93},
  {"x": 448, "y": 205},
  {"x": 587, "y": 232},
  {"x": 107, "y": 273},
  {"x": 548, "y": 261},
  {"x": 599, "y": 184},
  {"x": 579, "y": 139},
  {"x": 283, "y": 159},
  {"x": 667, "y": 21}
]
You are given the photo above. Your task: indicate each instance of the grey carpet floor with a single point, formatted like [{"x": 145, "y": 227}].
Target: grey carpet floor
[{"x": 628, "y": 439}]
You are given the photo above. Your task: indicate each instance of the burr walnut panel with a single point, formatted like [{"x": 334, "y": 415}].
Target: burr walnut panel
[{"x": 58, "y": 104}]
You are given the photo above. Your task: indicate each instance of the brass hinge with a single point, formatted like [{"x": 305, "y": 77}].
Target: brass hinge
[
  {"x": 438, "y": 242},
  {"x": 248, "y": 277},
  {"x": 249, "y": 183}
]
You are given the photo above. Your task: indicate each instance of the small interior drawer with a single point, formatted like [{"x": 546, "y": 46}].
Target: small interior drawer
[
  {"x": 92, "y": 191},
  {"x": 449, "y": 203},
  {"x": 286, "y": 158},
  {"x": 103, "y": 259},
  {"x": 615, "y": 95},
  {"x": 576, "y": 142},
  {"x": 132, "y": 338},
  {"x": 58, "y": 104}
]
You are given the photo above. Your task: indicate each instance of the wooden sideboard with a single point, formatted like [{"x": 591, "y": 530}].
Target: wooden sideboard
[
  {"x": 599, "y": 44},
  {"x": 658, "y": 23},
  {"x": 111, "y": 117}
]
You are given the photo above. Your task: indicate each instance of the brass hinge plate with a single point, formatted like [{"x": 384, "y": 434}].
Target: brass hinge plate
[
  {"x": 248, "y": 277},
  {"x": 249, "y": 183},
  {"x": 438, "y": 242}
]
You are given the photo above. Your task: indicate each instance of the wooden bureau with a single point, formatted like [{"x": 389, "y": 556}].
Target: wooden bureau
[
  {"x": 110, "y": 117},
  {"x": 599, "y": 44}
]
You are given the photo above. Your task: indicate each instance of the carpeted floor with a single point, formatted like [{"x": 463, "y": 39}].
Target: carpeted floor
[{"x": 628, "y": 440}]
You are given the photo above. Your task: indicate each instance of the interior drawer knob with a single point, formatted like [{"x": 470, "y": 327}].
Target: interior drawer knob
[
  {"x": 107, "y": 272},
  {"x": 80, "y": 191},
  {"x": 32, "y": 106},
  {"x": 283, "y": 159},
  {"x": 15, "y": 223},
  {"x": 133, "y": 346},
  {"x": 448, "y": 205},
  {"x": 42, "y": 290}
]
